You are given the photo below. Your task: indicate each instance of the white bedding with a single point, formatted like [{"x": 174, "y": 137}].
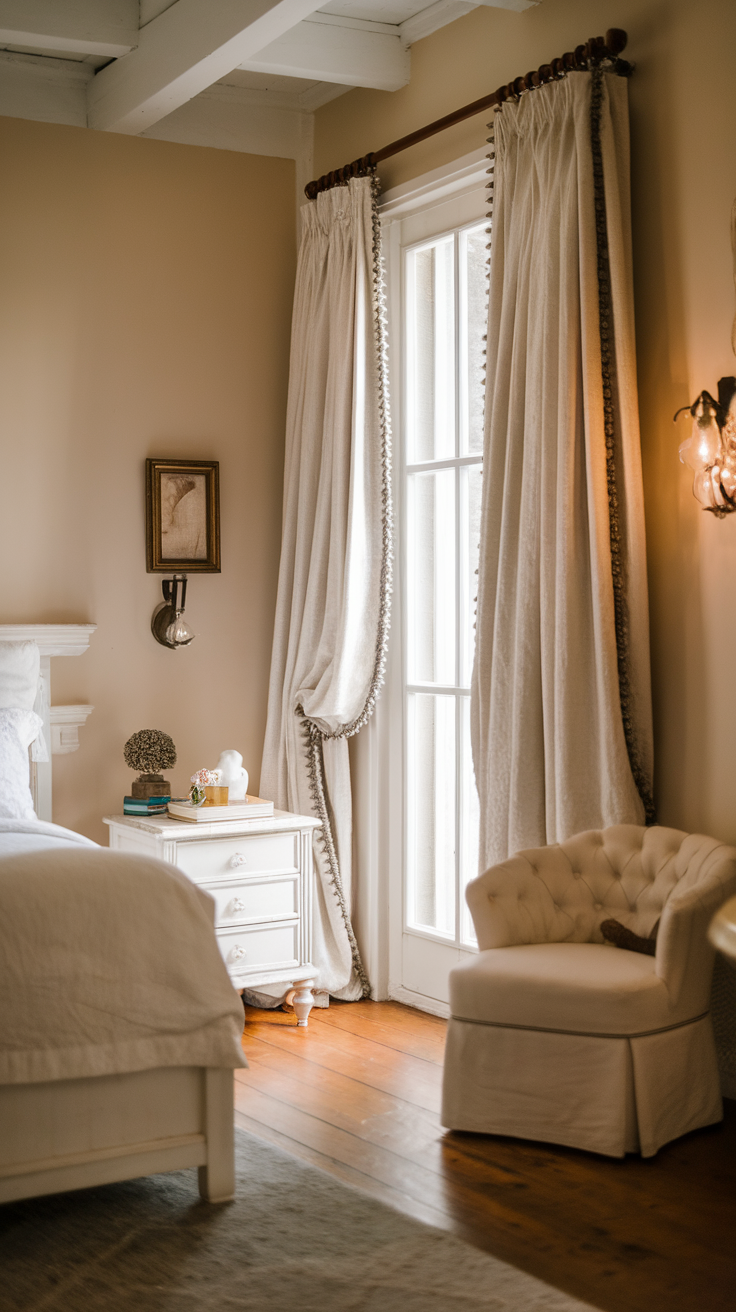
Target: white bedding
[
  {"x": 18, "y": 729},
  {"x": 18, "y": 836},
  {"x": 108, "y": 963}
]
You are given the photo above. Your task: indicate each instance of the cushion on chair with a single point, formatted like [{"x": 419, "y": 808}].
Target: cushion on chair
[
  {"x": 562, "y": 893},
  {"x": 580, "y": 988}
]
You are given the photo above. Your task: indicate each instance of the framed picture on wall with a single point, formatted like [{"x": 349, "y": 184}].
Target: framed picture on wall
[{"x": 183, "y": 516}]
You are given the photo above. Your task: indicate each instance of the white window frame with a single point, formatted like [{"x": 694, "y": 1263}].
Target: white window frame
[{"x": 377, "y": 753}]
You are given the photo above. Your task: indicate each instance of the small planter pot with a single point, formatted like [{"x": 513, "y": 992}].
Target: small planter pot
[{"x": 216, "y": 795}]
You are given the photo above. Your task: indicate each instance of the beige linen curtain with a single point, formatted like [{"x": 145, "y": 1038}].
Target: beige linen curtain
[
  {"x": 560, "y": 699},
  {"x": 334, "y": 580}
]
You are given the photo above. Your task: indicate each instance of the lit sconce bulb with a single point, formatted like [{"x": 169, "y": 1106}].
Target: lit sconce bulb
[
  {"x": 179, "y": 633},
  {"x": 702, "y": 449},
  {"x": 707, "y": 488}
]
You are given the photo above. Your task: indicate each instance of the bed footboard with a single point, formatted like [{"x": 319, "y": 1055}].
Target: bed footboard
[{"x": 72, "y": 1134}]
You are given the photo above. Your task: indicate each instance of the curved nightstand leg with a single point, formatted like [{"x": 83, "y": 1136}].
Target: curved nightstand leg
[{"x": 303, "y": 1001}]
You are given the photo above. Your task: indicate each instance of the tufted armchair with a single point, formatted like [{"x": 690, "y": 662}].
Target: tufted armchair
[{"x": 557, "y": 1035}]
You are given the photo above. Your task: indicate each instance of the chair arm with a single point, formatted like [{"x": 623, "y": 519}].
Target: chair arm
[{"x": 685, "y": 956}]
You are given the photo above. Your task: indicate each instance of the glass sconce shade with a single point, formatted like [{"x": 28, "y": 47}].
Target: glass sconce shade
[
  {"x": 706, "y": 488},
  {"x": 179, "y": 633},
  {"x": 710, "y": 452},
  {"x": 728, "y": 462},
  {"x": 703, "y": 448},
  {"x": 168, "y": 624}
]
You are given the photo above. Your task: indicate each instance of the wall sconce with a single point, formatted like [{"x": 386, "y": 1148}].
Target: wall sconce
[
  {"x": 168, "y": 625},
  {"x": 710, "y": 451}
]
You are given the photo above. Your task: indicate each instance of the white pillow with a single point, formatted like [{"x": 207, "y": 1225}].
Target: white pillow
[
  {"x": 18, "y": 728},
  {"x": 19, "y": 670}
]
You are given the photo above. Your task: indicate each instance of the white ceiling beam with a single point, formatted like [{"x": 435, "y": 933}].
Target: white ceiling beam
[
  {"x": 351, "y": 55},
  {"x": 517, "y": 5},
  {"x": 44, "y": 90},
  {"x": 81, "y": 27},
  {"x": 442, "y": 12},
  {"x": 180, "y": 53},
  {"x": 432, "y": 18}
]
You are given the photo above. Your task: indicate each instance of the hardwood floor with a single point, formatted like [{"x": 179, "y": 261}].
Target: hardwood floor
[{"x": 357, "y": 1094}]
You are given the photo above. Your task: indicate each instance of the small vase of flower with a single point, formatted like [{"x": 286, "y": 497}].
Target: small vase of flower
[{"x": 207, "y": 790}]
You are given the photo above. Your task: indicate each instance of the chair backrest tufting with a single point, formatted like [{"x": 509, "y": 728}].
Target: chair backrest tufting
[{"x": 562, "y": 893}]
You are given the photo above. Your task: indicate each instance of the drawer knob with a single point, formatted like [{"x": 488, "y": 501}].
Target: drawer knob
[
  {"x": 237, "y": 860},
  {"x": 236, "y": 954},
  {"x": 237, "y": 904}
]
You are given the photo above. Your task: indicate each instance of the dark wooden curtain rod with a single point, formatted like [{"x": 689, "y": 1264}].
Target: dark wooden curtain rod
[{"x": 595, "y": 51}]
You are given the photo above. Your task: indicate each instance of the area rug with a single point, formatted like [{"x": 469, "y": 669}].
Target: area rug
[{"x": 294, "y": 1240}]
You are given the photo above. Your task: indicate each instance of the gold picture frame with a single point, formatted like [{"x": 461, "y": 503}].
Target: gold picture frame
[{"x": 183, "y": 516}]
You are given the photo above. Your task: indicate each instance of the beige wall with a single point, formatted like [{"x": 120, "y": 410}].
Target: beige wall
[
  {"x": 145, "y": 310},
  {"x": 683, "y": 109}
]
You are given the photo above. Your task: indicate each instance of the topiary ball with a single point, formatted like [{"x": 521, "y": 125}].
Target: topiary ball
[{"x": 149, "y": 751}]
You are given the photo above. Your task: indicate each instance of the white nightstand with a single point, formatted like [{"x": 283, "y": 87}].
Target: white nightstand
[{"x": 260, "y": 874}]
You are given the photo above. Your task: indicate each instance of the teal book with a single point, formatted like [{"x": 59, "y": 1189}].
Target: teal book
[{"x": 146, "y": 802}]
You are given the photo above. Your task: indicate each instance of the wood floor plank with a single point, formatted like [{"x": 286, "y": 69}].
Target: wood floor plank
[
  {"x": 604, "y": 1219},
  {"x": 357, "y": 1094},
  {"x": 386, "y": 1024},
  {"x": 333, "y": 1141},
  {"x": 578, "y": 1181},
  {"x": 354, "y": 1105},
  {"x": 373, "y": 1063}
]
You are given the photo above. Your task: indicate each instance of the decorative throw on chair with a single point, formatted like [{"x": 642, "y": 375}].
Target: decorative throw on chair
[
  {"x": 561, "y": 701},
  {"x": 332, "y": 610}
]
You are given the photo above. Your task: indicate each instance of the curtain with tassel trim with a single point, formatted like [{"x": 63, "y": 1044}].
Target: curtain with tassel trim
[
  {"x": 560, "y": 696},
  {"x": 332, "y": 612}
]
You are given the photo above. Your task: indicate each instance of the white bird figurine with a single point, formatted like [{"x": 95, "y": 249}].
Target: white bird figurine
[{"x": 232, "y": 775}]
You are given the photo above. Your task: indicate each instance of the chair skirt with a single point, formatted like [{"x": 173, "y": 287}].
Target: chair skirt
[{"x": 609, "y": 1095}]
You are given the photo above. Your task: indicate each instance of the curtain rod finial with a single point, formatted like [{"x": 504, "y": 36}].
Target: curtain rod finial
[{"x": 616, "y": 40}]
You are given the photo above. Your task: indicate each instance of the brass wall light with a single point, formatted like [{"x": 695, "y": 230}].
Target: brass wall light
[
  {"x": 710, "y": 451},
  {"x": 168, "y": 625}
]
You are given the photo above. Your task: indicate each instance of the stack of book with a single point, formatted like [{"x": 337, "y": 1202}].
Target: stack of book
[
  {"x": 253, "y": 808},
  {"x": 145, "y": 805}
]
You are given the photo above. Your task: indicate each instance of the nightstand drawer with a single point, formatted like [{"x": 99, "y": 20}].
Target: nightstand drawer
[
  {"x": 255, "y": 899},
  {"x": 214, "y": 859},
  {"x": 246, "y": 950}
]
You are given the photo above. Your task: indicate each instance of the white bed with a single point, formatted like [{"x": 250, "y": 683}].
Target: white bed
[
  {"x": 71, "y": 1134},
  {"x": 119, "y": 1027}
]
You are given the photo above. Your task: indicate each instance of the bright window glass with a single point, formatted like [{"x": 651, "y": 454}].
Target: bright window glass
[
  {"x": 430, "y": 392},
  {"x": 444, "y": 318}
]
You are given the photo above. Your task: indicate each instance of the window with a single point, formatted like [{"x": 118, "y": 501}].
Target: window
[{"x": 444, "y": 312}]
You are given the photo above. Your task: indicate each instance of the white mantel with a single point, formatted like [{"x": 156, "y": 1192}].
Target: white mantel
[
  {"x": 52, "y": 639},
  {"x": 66, "y": 721},
  {"x": 61, "y": 724}
]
